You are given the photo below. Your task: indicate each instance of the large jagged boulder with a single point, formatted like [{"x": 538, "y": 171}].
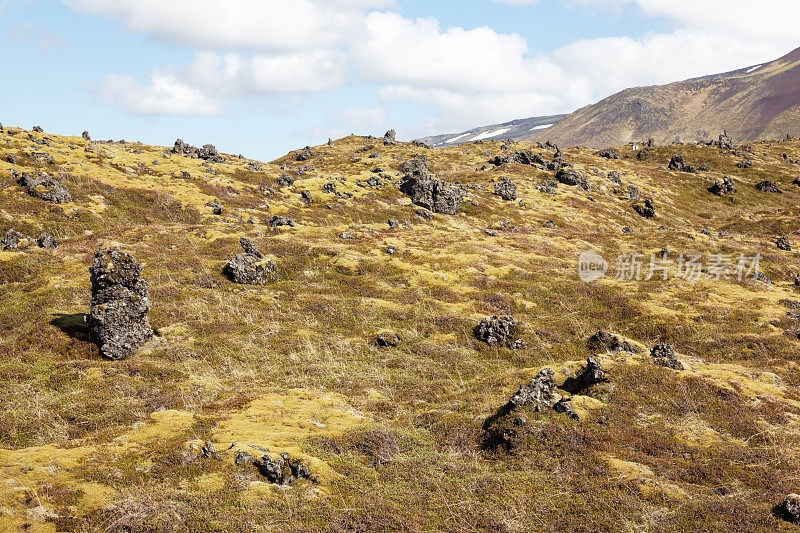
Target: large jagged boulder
[
  {"x": 677, "y": 164},
  {"x": 251, "y": 267},
  {"x": 183, "y": 148},
  {"x": 768, "y": 186},
  {"x": 646, "y": 210},
  {"x": 389, "y": 139},
  {"x": 603, "y": 340},
  {"x": 571, "y": 177},
  {"x": 209, "y": 153},
  {"x": 432, "y": 194},
  {"x": 120, "y": 303},
  {"x": 495, "y": 330},
  {"x": 45, "y": 187},
  {"x": 14, "y": 240},
  {"x": 522, "y": 157},
  {"x": 725, "y": 141}
]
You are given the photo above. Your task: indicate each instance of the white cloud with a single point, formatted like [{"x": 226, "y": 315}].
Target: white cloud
[
  {"x": 44, "y": 38},
  {"x": 358, "y": 120},
  {"x": 165, "y": 95},
  {"x": 262, "y": 25},
  {"x": 262, "y": 74}
]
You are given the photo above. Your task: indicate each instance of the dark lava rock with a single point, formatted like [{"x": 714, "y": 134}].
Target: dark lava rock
[
  {"x": 664, "y": 355},
  {"x": 602, "y": 340},
  {"x": 789, "y": 509},
  {"x": 209, "y": 153},
  {"x": 549, "y": 186},
  {"x": 424, "y": 213},
  {"x": 677, "y": 164},
  {"x": 286, "y": 180},
  {"x": 783, "y": 244},
  {"x": 38, "y": 129},
  {"x": 305, "y": 155},
  {"x": 647, "y": 210},
  {"x": 518, "y": 344},
  {"x": 420, "y": 144},
  {"x": 722, "y": 186},
  {"x": 593, "y": 373},
  {"x": 279, "y": 220},
  {"x": 86, "y": 136},
  {"x": 522, "y": 157},
  {"x": 183, "y": 148},
  {"x": 569, "y": 176},
  {"x": 393, "y": 223},
  {"x": 388, "y": 339},
  {"x": 506, "y": 189},
  {"x": 608, "y": 154},
  {"x": 46, "y": 240},
  {"x": 250, "y": 267},
  {"x": 14, "y": 240},
  {"x": 10, "y": 158},
  {"x": 768, "y": 186},
  {"x": 428, "y": 192},
  {"x": 216, "y": 207},
  {"x": 540, "y": 396},
  {"x": 389, "y": 138},
  {"x": 45, "y": 187},
  {"x": 704, "y": 168},
  {"x": 760, "y": 276},
  {"x": 725, "y": 141},
  {"x": 283, "y": 470},
  {"x": 744, "y": 164},
  {"x": 120, "y": 302},
  {"x": 494, "y": 330},
  {"x": 633, "y": 192},
  {"x": 614, "y": 177}
]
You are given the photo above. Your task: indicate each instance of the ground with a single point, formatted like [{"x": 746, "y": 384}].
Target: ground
[{"x": 393, "y": 435}]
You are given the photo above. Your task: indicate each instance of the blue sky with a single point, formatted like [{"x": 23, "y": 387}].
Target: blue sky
[{"x": 262, "y": 77}]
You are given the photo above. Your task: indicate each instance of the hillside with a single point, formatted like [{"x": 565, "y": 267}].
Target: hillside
[
  {"x": 516, "y": 130},
  {"x": 395, "y": 436},
  {"x": 759, "y": 102}
]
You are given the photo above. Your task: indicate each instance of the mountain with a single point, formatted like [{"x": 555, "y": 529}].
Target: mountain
[
  {"x": 331, "y": 356},
  {"x": 516, "y": 130},
  {"x": 758, "y": 102}
]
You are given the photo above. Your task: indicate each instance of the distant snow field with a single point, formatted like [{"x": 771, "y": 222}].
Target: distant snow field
[
  {"x": 488, "y": 134},
  {"x": 454, "y": 139},
  {"x": 542, "y": 127},
  {"x": 754, "y": 68}
]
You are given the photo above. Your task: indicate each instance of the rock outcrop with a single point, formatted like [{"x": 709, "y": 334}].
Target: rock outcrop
[
  {"x": 429, "y": 192},
  {"x": 495, "y": 330},
  {"x": 251, "y": 267},
  {"x": 506, "y": 189},
  {"x": 120, "y": 303},
  {"x": 45, "y": 187}
]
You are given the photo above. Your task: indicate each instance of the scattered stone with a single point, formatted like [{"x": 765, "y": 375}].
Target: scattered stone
[
  {"x": 540, "y": 396},
  {"x": 608, "y": 154},
  {"x": 389, "y": 138},
  {"x": 425, "y": 191},
  {"x": 647, "y": 210},
  {"x": 664, "y": 355},
  {"x": 393, "y": 223},
  {"x": 633, "y": 192},
  {"x": 494, "y": 330},
  {"x": 768, "y": 186},
  {"x": 10, "y": 158},
  {"x": 86, "y": 136},
  {"x": 704, "y": 168},
  {"x": 677, "y": 164},
  {"x": 279, "y": 220},
  {"x": 784, "y": 244},
  {"x": 391, "y": 249},
  {"x": 283, "y": 470},
  {"x": 593, "y": 373},
  {"x": 306, "y": 195},
  {"x": 789, "y": 509},
  {"x": 286, "y": 180},
  {"x": 548, "y": 186},
  {"x": 14, "y": 240},
  {"x": 120, "y": 303},
  {"x": 627, "y": 230},
  {"x": 725, "y": 141},
  {"x": 722, "y": 186},
  {"x": 603, "y": 340},
  {"x": 46, "y": 240},
  {"x": 346, "y": 235},
  {"x": 216, "y": 207},
  {"x": 253, "y": 166},
  {"x": 760, "y": 276},
  {"x": 744, "y": 164},
  {"x": 38, "y": 129},
  {"x": 45, "y": 187},
  {"x": 420, "y": 144},
  {"x": 518, "y": 344},
  {"x": 251, "y": 267},
  {"x": 424, "y": 213},
  {"x": 521, "y": 157},
  {"x": 506, "y": 189},
  {"x": 388, "y": 339},
  {"x": 614, "y": 177},
  {"x": 305, "y": 155}
]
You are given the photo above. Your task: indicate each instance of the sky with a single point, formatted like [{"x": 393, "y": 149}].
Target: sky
[{"x": 264, "y": 77}]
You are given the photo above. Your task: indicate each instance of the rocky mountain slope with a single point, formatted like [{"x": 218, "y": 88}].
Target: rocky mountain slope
[
  {"x": 515, "y": 130},
  {"x": 301, "y": 345},
  {"x": 758, "y": 102}
]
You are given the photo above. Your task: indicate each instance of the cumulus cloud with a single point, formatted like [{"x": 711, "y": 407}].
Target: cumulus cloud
[
  {"x": 261, "y": 25},
  {"x": 470, "y": 75},
  {"x": 164, "y": 95}
]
